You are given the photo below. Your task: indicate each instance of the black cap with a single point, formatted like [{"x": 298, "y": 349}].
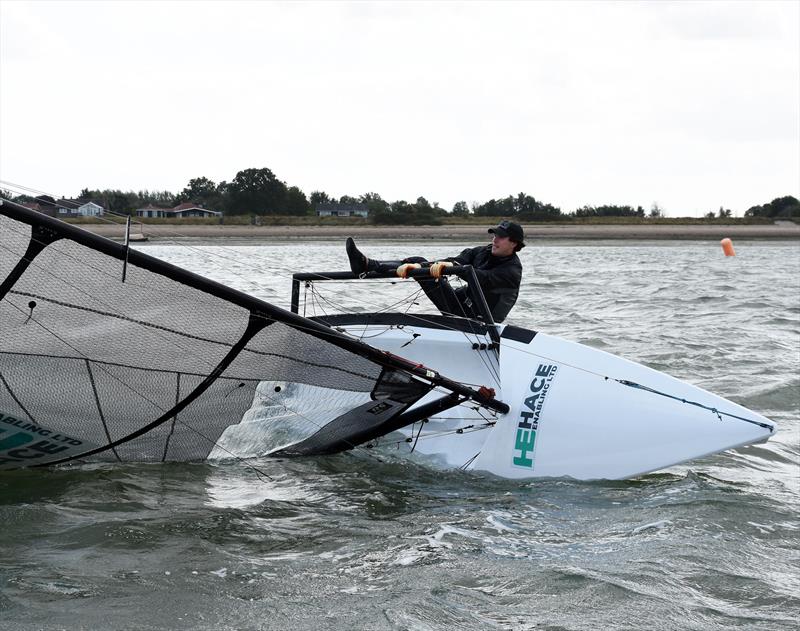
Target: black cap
[{"x": 509, "y": 229}]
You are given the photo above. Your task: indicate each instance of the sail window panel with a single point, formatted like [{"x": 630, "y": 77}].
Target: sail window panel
[
  {"x": 197, "y": 428},
  {"x": 283, "y": 413},
  {"x": 153, "y": 322},
  {"x": 132, "y": 398},
  {"x": 281, "y": 353},
  {"x": 21, "y": 334},
  {"x": 58, "y": 328},
  {"x": 188, "y": 435},
  {"x": 56, "y": 393},
  {"x": 68, "y": 272}
]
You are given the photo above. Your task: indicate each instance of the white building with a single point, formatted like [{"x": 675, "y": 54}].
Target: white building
[
  {"x": 342, "y": 210},
  {"x": 90, "y": 209},
  {"x": 180, "y": 211}
]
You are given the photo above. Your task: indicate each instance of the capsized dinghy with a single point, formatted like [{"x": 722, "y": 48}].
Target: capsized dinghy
[{"x": 109, "y": 354}]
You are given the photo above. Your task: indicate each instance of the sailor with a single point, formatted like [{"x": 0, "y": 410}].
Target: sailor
[{"x": 496, "y": 266}]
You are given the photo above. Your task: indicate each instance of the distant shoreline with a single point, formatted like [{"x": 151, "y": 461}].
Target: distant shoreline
[{"x": 475, "y": 232}]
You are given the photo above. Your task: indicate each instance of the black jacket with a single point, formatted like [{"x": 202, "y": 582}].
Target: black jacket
[{"x": 498, "y": 276}]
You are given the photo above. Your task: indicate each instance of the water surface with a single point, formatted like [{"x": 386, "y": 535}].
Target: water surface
[{"x": 370, "y": 541}]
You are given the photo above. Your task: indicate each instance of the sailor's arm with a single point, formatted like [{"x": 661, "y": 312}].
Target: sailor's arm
[{"x": 465, "y": 258}]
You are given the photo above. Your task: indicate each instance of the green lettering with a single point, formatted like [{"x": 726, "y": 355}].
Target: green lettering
[
  {"x": 14, "y": 441},
  {"x": 524, "y": 444}
]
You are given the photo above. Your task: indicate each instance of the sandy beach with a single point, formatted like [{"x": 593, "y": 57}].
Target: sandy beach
[{"x": 533, "y": 232}]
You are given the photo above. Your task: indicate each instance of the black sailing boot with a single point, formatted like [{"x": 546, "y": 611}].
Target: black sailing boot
[{"x": 359, "y": 264}]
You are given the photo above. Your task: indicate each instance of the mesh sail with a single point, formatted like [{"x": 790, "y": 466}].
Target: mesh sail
[{"x": 155, "y": 368}]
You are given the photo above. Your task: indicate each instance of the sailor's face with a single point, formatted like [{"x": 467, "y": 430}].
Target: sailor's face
[{"x": 502, "y": 246}]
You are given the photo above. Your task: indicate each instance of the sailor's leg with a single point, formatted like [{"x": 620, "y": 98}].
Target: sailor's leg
[
  {"x": 388, "y": 266},
  {"x": 360, "y": 264},
  {"x": 441, "y": 294}
]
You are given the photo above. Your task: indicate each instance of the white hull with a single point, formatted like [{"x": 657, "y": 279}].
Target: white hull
[{"x": 579, "y": 420}]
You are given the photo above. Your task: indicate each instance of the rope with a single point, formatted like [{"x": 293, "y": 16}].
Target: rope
[{"x": 719, "y": 413}]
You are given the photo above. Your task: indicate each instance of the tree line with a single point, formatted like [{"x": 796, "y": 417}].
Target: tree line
[
  {"x": 259, "y": 192},
  {"x": 780, "y": 207}
]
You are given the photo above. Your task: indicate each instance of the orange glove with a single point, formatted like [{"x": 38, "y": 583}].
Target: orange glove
[
  {"x": 405, "y": 268},
  {"x": 438, "y": 267}
]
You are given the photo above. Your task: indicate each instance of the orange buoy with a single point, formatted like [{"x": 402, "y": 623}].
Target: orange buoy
[{"x": 727, "y": 247}]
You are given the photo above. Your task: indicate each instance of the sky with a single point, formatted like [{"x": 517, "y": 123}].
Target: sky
[{"x": 689, "y": 105}]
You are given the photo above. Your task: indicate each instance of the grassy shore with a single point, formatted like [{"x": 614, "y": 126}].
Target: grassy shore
[{"x": 476, "y": 231}]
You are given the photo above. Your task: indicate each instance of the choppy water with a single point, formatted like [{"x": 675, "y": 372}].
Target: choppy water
[{"x": 349, "y": 542}]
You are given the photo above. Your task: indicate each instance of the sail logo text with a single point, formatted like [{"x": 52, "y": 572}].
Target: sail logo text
[
  {"x": 530, "y": 411},
  {"x": 22, "y": 442}
]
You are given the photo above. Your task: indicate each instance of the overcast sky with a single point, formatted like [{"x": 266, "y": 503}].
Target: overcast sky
[{"x": 691, "y": 105}]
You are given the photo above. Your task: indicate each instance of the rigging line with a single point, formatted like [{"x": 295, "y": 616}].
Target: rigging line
[
  {"x": 479, "y": 338},
  {"x": 362, "y": 336},
  {"x": 413, "y": 300},
  {"x": 468, "y": 429},
  {"x": 719, "y": 413},
  {"x": 12, "y": 185},
  {"x": 174, "y": 418},
  {"x": 468, "y": 405},
  {"x": 421, "y": 425},
  {"x": 316, "y": 304},
  {"x": 100, "y": 408},
  {"x": 153, "y": 403},
  {"x": 438, "y": 418},
  {"x": 16, "y": 400},
  {"x": 487, "y": 361},
  {"x": 464, "y": 466},
  {"x": 343, "y": 308},
  {"x": 639, "y": 386},
  {"x": 290, "y": 273}
]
